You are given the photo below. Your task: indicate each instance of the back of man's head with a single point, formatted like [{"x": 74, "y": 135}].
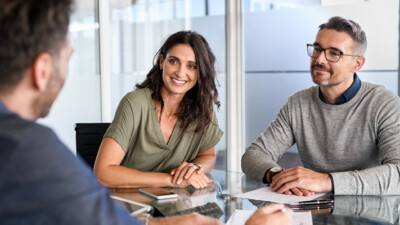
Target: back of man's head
[
  {"x": 351, "y": 28},
  {"x": 28, "y": 28}
]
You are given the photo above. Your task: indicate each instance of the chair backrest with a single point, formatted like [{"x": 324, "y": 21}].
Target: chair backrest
[{"x": 88, "y": 140}]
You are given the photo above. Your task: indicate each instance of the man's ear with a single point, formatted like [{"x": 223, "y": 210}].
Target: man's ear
[
  {"x": 360, "y": 60},
  {"x": 41, "y": 71}
]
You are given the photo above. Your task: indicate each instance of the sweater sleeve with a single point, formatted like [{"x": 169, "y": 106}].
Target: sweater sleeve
[
  {"x": 383, "y": 179},
  {"x": 269, "y": 146}
]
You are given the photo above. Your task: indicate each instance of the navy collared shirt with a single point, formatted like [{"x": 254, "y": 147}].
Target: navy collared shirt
[{"x": 348, "y": 94}]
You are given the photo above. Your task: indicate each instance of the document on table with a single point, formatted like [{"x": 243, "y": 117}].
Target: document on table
[
  {"x": 239, "y": 217},
  {"x": 267, "y": 194}
]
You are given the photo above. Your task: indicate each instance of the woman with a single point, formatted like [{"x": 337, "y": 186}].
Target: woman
[{"x": 164, "y": 133}]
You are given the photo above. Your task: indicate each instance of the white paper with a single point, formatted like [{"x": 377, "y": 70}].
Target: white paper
[
  {"x": 302, "y": 218},
  {"x": 267, "y": 194},
  {"x": 239, "y": 217}
]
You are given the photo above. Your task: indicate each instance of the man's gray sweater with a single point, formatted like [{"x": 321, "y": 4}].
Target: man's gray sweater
[{"x": 357, "y": 142}]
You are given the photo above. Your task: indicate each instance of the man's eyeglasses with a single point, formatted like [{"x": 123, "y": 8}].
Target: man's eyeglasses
[{"x": 331, "y": 54}]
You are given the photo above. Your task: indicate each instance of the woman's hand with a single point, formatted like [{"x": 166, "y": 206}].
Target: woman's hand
[
  {"x": 185, "y": 171},
  {"x": 195, "y": 180},
  {"x": 199, "y": 180},
  {"x": 275, "y": 214}
]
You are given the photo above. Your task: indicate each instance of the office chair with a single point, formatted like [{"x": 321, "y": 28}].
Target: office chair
[{"x": 88, "y": 140}]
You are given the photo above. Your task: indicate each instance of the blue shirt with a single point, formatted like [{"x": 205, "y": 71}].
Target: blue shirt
[
  {"x": 348, "y": 94},
  {"x": 42, "y": 182}
]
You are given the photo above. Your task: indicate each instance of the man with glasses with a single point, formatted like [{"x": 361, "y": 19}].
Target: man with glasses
[{"x": 347, "y": 131}]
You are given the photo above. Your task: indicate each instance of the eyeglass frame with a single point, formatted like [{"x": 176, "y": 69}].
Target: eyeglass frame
[{"x": 324, "y": 50}]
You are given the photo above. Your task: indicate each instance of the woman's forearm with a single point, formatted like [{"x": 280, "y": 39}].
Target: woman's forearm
[{"x": 123, "y": 177}]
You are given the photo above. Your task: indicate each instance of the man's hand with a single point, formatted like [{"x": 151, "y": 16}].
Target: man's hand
[
  {"x": 192, "y": 218},
  {"x": 275, "y": 214},
  {"x": 301, "y": 181},
  {"x": 299, "y": 192}
]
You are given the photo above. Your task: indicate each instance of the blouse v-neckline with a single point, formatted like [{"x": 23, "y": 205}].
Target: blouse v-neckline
[{"x": 157, "y": 125}]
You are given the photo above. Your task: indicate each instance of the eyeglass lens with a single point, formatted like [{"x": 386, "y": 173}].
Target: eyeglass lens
[{"x": 331, "y": 54}]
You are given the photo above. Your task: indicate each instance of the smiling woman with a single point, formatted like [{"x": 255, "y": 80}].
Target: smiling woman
[
  {"x": 179, "y": 73},
  {"x": 164, "y": 133}
]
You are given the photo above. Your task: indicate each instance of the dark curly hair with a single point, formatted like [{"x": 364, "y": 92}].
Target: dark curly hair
[
  {"x": 27, "y": 29},
  {"x": 197, "y": 104}
]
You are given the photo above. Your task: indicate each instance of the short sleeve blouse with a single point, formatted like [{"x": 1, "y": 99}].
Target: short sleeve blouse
[{"x": 136, "y": 129}]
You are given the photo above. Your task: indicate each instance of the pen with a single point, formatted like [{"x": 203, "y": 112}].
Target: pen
[
  {"x": 315, "y": 202},
  {"x": 312, "y": 207}
]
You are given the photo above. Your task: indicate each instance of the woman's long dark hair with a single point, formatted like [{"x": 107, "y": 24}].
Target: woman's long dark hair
[{"x": 197, "y": 104}]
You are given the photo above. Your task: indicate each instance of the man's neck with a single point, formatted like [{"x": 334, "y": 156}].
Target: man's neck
[
  {"x": 18, "y": 104},
  {"x": 332, "y": 93}
]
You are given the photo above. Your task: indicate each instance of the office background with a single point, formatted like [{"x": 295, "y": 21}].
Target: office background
[{"x": 115, "y": 41}]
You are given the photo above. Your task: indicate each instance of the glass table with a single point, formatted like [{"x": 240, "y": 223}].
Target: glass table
[{"x": 347, "y": 209}]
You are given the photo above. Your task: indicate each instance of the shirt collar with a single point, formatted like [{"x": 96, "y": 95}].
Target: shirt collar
[
  {"x": 348, "y": 94},
  {"x": 2, "y": 107}
]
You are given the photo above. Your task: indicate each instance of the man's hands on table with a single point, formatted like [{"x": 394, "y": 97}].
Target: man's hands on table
[{"x": 301, "y": 182}]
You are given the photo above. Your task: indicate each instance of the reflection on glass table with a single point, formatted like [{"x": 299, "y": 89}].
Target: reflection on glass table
[{"x": 221, "y": 193}]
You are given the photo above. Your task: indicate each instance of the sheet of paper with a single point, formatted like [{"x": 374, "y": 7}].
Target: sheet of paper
[
  {"x": 239, "y": 217},
  {"x": 302, "y": 218},
  {"x": 266, "y": 194}
]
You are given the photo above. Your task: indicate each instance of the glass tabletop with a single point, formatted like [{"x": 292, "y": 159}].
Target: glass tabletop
[{"x": 227, "y": 185}]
